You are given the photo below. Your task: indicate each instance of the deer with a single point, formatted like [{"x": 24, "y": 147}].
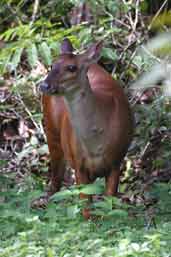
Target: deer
[{"x": 88, "y": 120}]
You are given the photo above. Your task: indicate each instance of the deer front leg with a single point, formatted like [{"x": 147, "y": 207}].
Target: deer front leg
[{"x": 82, "y": 178}]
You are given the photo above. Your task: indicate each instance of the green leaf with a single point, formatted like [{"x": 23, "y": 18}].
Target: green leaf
[
  {"x": 16, "y": 57},
  {"x": 55, "y": 47},
  {"x": 92, "y": 189},
  {"x": 85, "y": 35},
  {"x": 118, "y": 213},
  {"x": 104, "y": 204},
  {"x": 65, "y": 194},
  {"x": 50, "y": 252},
  {"x": 45, "y": 53},
  {"x": 8, "y": 34},
  {"x": 109, "y": 53},
  {"x": 32, "y": 55},
  {"x": 62, "y": 195},
  {"x": 72, "y": 211}
]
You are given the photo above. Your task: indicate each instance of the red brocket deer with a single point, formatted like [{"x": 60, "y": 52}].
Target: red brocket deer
[{"x": 88, "y": 121}]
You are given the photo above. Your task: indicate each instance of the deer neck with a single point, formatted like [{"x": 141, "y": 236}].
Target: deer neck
[{"x": 86, "y": 117}]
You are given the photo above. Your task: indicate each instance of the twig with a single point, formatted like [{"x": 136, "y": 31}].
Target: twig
[
  {"x": 145, "y": 150},
  {"x": 133, "y": 23},
  {"x": 136, "y": 15},
  {"x": 157, "y": 14},
  {"x": 121, "y": 22},
  {"x": 38, "y": 127},
  {"x": 136, "y": 98},
  {"x": 35, "y": 10},
  {"x": 125, "y": 50}
]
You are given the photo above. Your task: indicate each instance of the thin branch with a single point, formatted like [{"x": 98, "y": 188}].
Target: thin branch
[
  {"x": 136, "y": 15},
  {"x": 38, "y": 127},
  {"x": 157, "y": 14},
  {"x": 121, "y": 22},
  {"x": 35, "y": 10},
  {"x": 133, "y": 22}
]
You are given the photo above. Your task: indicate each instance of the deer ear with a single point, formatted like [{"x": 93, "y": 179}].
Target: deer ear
[
  {"x": 93, "y": 53},
  {"x": 66, "y": 46}
]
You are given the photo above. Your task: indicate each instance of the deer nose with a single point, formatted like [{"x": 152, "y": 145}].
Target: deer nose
[{"x": 43, "y": 86}]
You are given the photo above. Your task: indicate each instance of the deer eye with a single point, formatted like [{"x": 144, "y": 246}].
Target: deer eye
[{"x": 72, "y": 68}]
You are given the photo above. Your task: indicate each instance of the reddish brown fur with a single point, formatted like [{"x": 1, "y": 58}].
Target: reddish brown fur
[{"x": 62, "y": 139}]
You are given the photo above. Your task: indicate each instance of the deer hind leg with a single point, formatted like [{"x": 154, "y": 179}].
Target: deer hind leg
[{"x": 112, "y": 182}]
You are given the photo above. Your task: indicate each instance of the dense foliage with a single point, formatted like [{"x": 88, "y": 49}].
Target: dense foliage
[{"x": 138, "y": 225}]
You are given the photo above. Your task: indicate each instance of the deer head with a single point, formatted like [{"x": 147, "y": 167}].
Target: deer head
[{"x": 69, "y": 71}]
